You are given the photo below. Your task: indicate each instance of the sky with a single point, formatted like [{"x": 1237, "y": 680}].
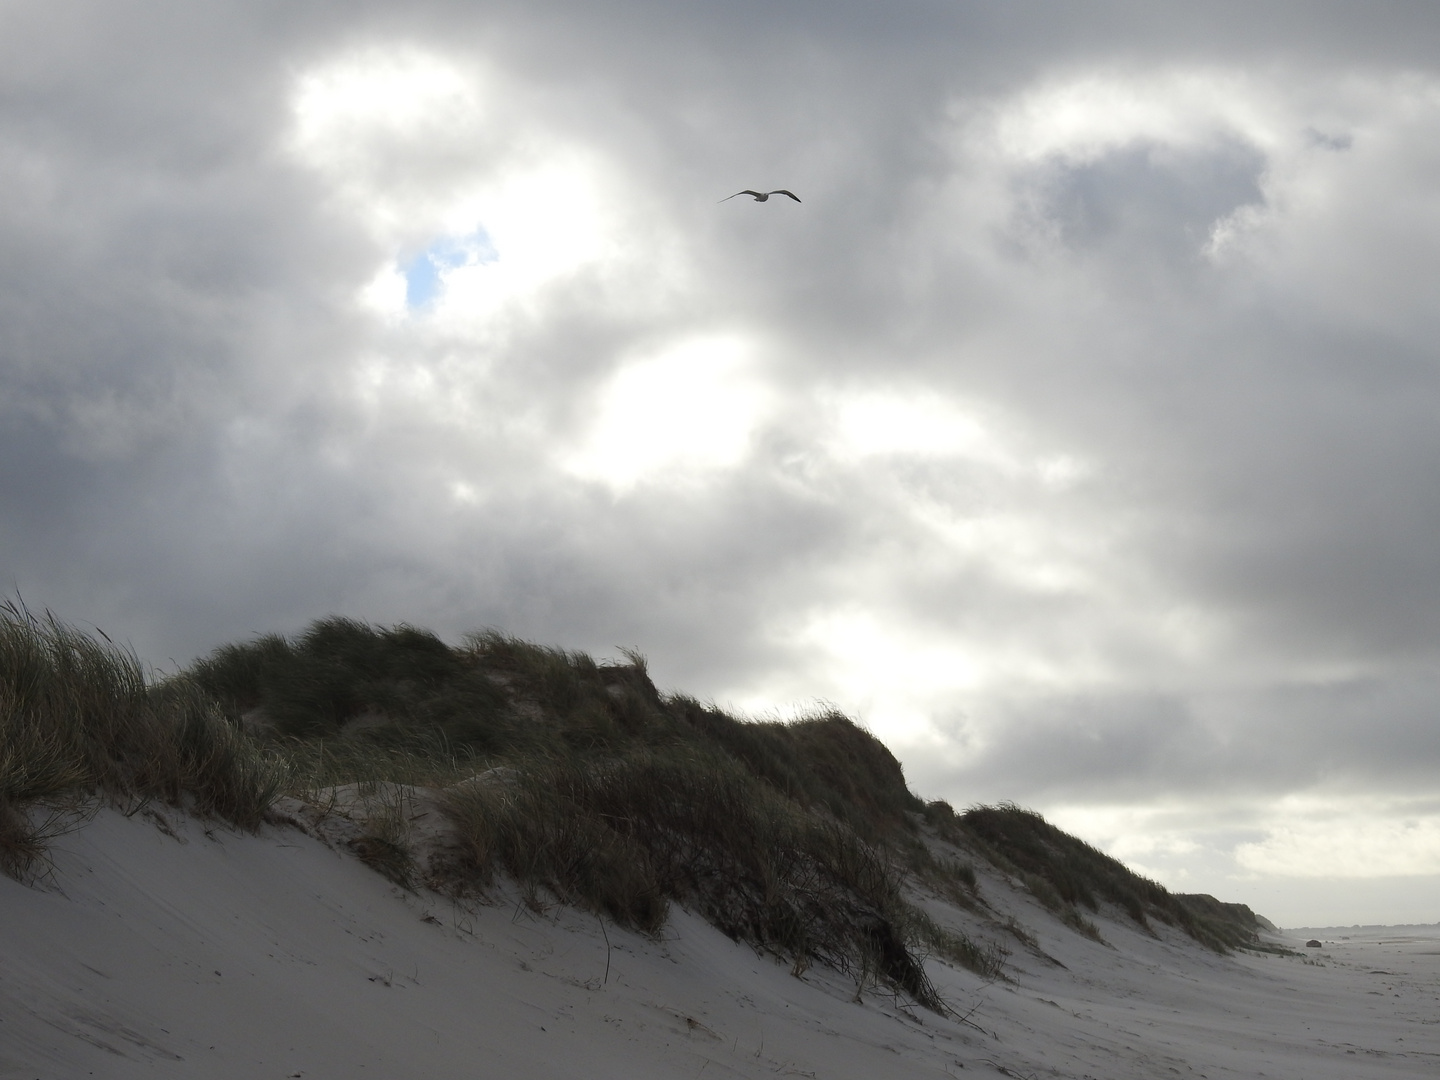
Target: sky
[{"x": 1076, "y": 432}]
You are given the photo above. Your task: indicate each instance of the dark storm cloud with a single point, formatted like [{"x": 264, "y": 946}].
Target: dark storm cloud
[
  {"x": 1182, "y": 541},
  {"x": 1149, "y": 201},
  {"x": 1351, "y": 736}
]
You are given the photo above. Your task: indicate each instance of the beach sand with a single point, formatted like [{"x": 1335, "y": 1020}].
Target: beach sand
[{"x": 162, "y": 947}]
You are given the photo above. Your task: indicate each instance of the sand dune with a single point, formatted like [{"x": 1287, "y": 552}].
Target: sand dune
[{"x": 158, "y": 948}]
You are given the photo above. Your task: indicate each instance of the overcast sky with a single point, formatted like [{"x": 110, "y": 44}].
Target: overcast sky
[{"x": 1078, "y": 432}]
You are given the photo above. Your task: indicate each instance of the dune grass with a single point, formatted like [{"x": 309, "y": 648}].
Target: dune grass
[
  {"x": 341, "y": 671},
  {"x": 574, "y": 778},
  {"x": 79, "y": 718},
  {"x": 1070, "y": 876},
  {"x": 598, "y": 790},
  {"x": 592, "y": 788},
  {"x": 627, "y": 834}
]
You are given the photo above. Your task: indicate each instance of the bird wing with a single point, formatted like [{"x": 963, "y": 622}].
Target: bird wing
[
  {"x": 782, "y": 191},
  {"x": 747, "y": 191}
]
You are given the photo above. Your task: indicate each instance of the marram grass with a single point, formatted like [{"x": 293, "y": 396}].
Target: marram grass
[
  {"x": 575, "y": 779},
  {"x": 78, "y": 718}
]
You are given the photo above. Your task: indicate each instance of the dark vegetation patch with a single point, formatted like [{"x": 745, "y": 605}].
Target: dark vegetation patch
[
  {"x": 593, "y": 787},
  {"x": 1233, "y": 925},
  {"x": 77, "y": 717},
  {"x": 576, "y": 779},
  {"x": 396, "y": 682},
  {"x": 1070, "y": 876},
  {"x": 626, "y": 834}
]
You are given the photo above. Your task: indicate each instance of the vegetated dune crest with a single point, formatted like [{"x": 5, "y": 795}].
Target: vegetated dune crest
[{"x": 578, "y": 875}]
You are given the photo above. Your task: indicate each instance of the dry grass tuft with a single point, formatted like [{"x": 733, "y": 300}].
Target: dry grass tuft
[
  {"x": 1066, "y": 874},
  {"x": 625, "y": 835},
  {"x": 574, "y": 778},
  {"x": 628, "y": 834},
  {"x": 77, "y": 717}
]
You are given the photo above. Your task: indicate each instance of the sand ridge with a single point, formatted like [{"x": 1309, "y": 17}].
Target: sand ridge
[{"x": 191, "y": 951}]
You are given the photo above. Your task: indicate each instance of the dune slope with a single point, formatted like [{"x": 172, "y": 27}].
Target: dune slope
[{"x": 157, "y": 948}]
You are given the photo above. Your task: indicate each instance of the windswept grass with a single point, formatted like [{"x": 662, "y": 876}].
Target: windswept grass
[
  {"x": 598, "y": 790},
  {"x": 78, "y": 718},
  {"x": 987, "y": 961},
  {"x": 1066, "y": 874},
  {"x": 576, "y": 779},
  {"x": 626, "y": 834},
  {"x": 824, "y": 761},
  {"x": 341, "y": 674}
]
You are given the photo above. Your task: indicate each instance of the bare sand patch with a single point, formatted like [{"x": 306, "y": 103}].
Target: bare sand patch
[{"x": 206, "y": 953}]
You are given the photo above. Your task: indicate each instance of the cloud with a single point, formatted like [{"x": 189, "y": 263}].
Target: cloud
[
  {"x": 1077, "y": 431},
  {"x": 1320, "y": 842},
  {"x": 692, "y": 407}
]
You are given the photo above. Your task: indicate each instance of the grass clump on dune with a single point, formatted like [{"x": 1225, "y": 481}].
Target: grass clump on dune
[
  {"x": 598, "y": 790},
  {"x": 341, "y": 674},
  {"x": 78, "y": 718},
  {"x": 626, "y": 834},
  {"x": 824, "y": 761},
  {"x": 574, "y": 778},
  {"x": 1066, "y": 874}
]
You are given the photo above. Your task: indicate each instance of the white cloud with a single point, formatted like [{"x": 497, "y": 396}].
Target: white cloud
[
  {"x": 377, "y": 123},
  {"x": 1346, "y": 838},
  {"x": 888, "y": 672},
  {"x": 406, "y": 92},
  {"x": 689, "y": 410},
  {"x": 923, "y": 425},
  {"x": 413, "y": 145},
  {"x": 1320, "y": 858},
  {"x": 544, "y": 222},
  {"x": 1080, "y": 117}
]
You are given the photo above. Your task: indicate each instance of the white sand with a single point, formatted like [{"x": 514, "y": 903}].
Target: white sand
[{"x": 225, "y": 955}]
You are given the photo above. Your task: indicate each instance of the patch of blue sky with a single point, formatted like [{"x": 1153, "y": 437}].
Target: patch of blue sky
[{"x": 425, "y": 273}]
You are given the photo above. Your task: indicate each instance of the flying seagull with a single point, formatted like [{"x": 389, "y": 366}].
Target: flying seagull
[{"x": 761, "y": 196}]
